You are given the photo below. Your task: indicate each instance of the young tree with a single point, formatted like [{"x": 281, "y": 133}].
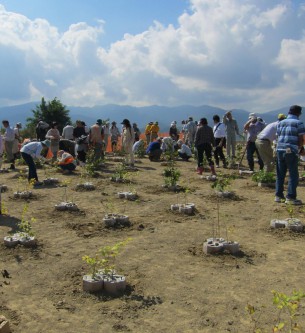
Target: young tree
[{"x": 49, "y": 111}]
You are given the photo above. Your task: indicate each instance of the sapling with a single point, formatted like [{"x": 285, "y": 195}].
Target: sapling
[
  {"x": 25, "y": 225},
  {"x": 94, "y": 263}
]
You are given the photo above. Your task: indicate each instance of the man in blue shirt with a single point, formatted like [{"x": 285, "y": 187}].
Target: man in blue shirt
[
  {"x": 154, "y": 150},
  {"x": 290, "y": 133}
]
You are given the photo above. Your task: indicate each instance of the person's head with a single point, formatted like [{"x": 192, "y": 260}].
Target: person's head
[
  {"x": 159, "y": 139},
  {"x": 99, "y": 122},
  {"x": 229, "y": 115},
  {"x": 60, "y": 152},
  {"x": 216, "y": 118},
  {"x": 54, "y": 124},
  {"x": 5, "y": 123},
  {"x": 126, "y": 123},
  {"x": 179, "y": 142},
  {"x": 281, "y": 117},
  {"x": 19, "y": 125},
  {"x": 253, "y": 117},
  {"x": 190, "y": 119},
  {"x": 83, "y": 124},
  {"x": 203, "y": 121},
  {"x": 46, "y": 143},
  {"x": 295, "y": 110},
  {"x": 113, "y": 123},
  {"x": 156, "y": 123},
  {"x": 150, "y": 123},
  {"x": 134, "y": 125},
  {"x": 78, "y": 123}
]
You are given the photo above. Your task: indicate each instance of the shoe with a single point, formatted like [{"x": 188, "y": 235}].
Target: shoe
[
  {"x": 38, "y": 184},
  {"x": 279, "y": 199},
  {"x": 200, "y": 170},
  {"x": 295, "y": 202}
]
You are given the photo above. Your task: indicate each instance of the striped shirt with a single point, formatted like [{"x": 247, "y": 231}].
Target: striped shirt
[{"x": 288, "y": 132}]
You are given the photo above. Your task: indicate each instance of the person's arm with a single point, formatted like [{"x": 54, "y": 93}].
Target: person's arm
[{"x": 247, "y": 125}]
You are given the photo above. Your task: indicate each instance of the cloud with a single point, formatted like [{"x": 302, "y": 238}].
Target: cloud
[{"x": 227, "y": 53}]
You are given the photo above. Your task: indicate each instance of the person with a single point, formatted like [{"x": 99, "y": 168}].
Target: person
[
  {"x": 173, "y": 131},
  {"x": 127, "y": 141},
  {"x": 265, "y": 141},
  {"x": 80, "y": 137},
  {"x": 154, "y": 130},
  {"x": 231, "y": 131},
  {"x": 137, "y": 146},
  {"x": 252, "y": 127},
  {"x": 96, "y": 139},
  {"x": 67, "y": 132},
  {"x": 54, "y": 136},
  {"x": 41, "y": 130},
  {"x": 148, "y": 132},
  {"x": 9, "y": 138},
  {"x": 184, "y": 151},
  {"x": 66, "y": 161},
  {"x": 1, "y": 151},
  {"x": 136, "y": 131},
  {"x": 204, "y": 141},
  {"x": 114, "y": 136},
  {"x": 219, "y": 131},
  {"x": 168, "y": 145},
  {"x": 154, "y": 150},
  {"x": 17, "y": 140},
  {"x": 191, "y": 128},
  {"x": 32, "y": 150},
  {"x": 106, "y": 132},
  {"x": 290, "y": 139}
]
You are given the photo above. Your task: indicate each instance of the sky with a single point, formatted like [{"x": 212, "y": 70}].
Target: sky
[{"x": 233, "y": 54}]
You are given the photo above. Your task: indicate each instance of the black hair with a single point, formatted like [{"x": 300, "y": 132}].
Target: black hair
[
  {"x": 216, "y": 118},
  {"x": 295, "y": 110}
]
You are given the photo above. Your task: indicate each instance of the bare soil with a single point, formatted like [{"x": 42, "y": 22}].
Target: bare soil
[{"x": 172, "y": 285}]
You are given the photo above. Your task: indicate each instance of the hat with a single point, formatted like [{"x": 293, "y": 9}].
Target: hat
[
  {"x": 125, "y": 122},
  {"x": 150, "y": 123},
  {"x": 113, "y": 123},
  {"x": 46, "y": 143},
  {"x": 281, "y": 116},
  {"x": 19, "y": 125},
  {"x": 99, "y": 121},
  {"x": 252, "y": 115},
  {"x": 156, "y": 123}
]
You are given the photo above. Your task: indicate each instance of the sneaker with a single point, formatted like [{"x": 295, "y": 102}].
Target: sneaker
[
  {"x": 38, "y": 184},
  {"x": 295, "y": 202},
  {"x": 279, "y": 199}
]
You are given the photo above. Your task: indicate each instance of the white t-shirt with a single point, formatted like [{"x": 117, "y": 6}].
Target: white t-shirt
[{"x": 219, "y": 130}]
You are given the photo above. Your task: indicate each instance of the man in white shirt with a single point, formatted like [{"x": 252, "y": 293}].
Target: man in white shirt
[
  {"x": 219, "y": 131},
  {"x": 9, "y": 137},
  {"x": 67, "y": 132}
]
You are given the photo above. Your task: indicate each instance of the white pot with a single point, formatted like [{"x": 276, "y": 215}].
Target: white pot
[
  {"x": 28, "y": 241},
  {"x": 11, "y": 241},
  {"x": 184, "y": 209},
  {"x": 278, "y": 224},
  {"x": 212, "y": 247},
  {"x": 92, "y": 285},
  {"x": 232, "y": 247},
  {"x": 114, "y": 284}
]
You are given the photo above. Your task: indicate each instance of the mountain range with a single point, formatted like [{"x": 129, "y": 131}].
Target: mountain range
[{"x": 141, "y": 115}]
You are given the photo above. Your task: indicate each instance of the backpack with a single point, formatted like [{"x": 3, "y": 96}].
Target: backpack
[{"x": 81, "y": 139}]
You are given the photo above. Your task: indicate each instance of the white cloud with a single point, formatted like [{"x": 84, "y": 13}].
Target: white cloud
[{"x": 228, "y": 53}]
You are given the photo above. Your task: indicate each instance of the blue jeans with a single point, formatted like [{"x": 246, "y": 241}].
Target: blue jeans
[
  {"x": 287, "y": 161},
  {"x": 251, "y": 149}
]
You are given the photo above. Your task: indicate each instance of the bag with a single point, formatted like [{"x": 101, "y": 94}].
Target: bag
[{"x": 81, "y": 139}]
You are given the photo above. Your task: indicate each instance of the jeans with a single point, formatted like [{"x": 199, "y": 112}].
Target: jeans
[
  {"x": 287, "y": 161},
  {"x": 32, "y": 167},
  {"x": 251, "y": 149}
]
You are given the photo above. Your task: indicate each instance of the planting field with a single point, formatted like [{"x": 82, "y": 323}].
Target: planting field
[{"x": 172, "y": 286}]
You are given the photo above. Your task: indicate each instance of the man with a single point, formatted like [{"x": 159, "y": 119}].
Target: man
[
  {"x": 41, "y": 130},
  {"x": 67, "y": 132},
  {"x": 154, "y": 150},
  {"x": 1, "y": 151},
  {"x": 17, "y": 140},
  {"x": 96, "y": 139},
  {"x": 252, "y": 128},
  {"x": 231, "y": 132},
  {"x": 148, "y": 132},
  {"x": 265, "y": 141},
  {"x": 184, "y": 151},
  {"x": 204, "y": 141},
  {"x": 290, "y": 134},
  {"x": 9, "y": 138},
  {"x": 191, "y": 129},
  {"x": 219, "y": 131},
  {"x": 154, "y": 130}
]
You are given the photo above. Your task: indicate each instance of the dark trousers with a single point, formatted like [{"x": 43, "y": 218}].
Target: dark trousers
[
  {"x": 204, "y": 148},
  {"x": 218, "y": 153},
  {"x": 31, "y": 164},
  {"x": 251, "y": 149},
  {"x": 184, "y": 156},
  {"x": 69, "y": 167}
]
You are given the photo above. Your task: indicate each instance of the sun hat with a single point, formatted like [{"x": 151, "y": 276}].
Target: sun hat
[
  {"x": 281, "y": 116},
  {"x": 46, "y": 143},
  {"x": 125, "y": 121},
  {"x": 252, "y": 115},
  {"x": 99, "y": 121}
]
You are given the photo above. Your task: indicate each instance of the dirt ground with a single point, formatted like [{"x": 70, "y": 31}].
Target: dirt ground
[{"x": 172, "y": 285}]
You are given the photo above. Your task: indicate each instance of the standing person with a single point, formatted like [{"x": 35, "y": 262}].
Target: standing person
[
  {"x": 204, "y": 141},
  {"x": 252, "y": 128},
  {"x": 67, "y": 132},
  {"x": 127, "y": 141},
  {"x": 265, "y": 141},
  {"x": 80, "y": 137},
  {"x": 96, "y": 139},
  {"x": 173, "y": 131},
  {"x": 219, "y": 131},
  {"x": 148, "y": 132},
  {"x": 154, "y": 130},
  {"x": 54, "y": 136},
  {"x": 114, "y": 136},
  {"x": 9, "y": 138},
  {"x": 33, "y": 150},
  {"x": 290, "y": 141},
  {"x": 1, "y": 151},
  {"x": 137, "y": 132},
  {"x": 106, "y": 132},
  {"x": 231, "y": 132},
  {"x": 41, "y": 130},
  {"x": 191, "y": 129},
  {"x": 17, "y": 140}
]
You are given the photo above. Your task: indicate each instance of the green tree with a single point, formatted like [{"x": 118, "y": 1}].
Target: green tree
[{"x": 49, "y": 111}]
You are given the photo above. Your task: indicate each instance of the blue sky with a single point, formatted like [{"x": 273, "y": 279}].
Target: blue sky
[{"x": 245, "y": 54}]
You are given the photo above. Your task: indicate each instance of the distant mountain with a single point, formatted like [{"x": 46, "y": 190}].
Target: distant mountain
[{"x": 141, "y": 115}]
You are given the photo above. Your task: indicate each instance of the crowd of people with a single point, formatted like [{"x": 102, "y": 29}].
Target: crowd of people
[{"x": 277, "y": 145}]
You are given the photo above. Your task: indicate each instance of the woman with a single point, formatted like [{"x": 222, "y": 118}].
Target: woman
[
  {"x": 115, "y": 134},
  {"x": 54, "y": 136},
  {"x": 33, "y": 150},
  {"x": 66, "y": 161},
  {"x": 127, "y": 141}
]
